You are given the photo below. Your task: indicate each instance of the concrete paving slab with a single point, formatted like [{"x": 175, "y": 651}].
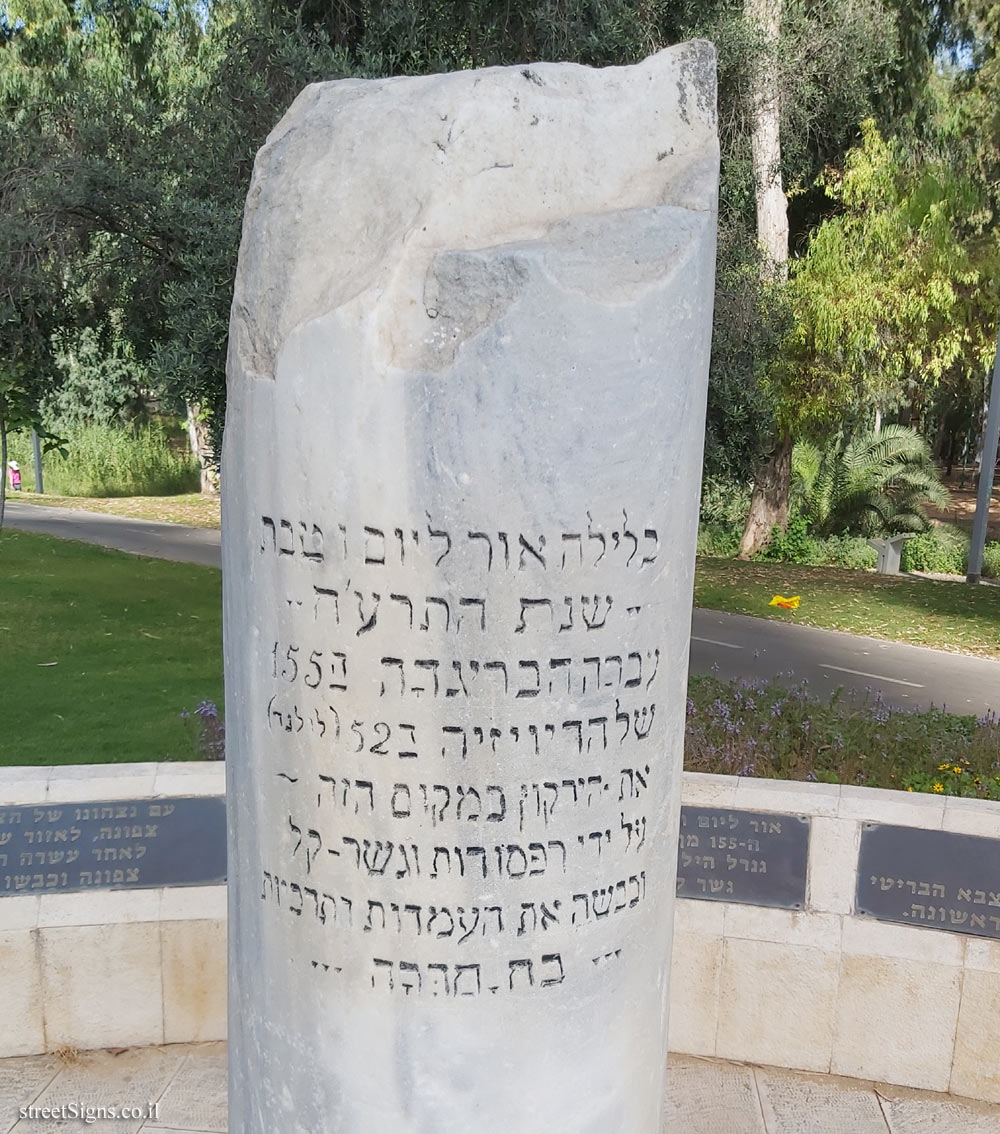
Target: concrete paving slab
[
  {"x": 22, "y": 1080},
  {"x": 705, "y": 1096},
  {"x": 99, "y": 1079},
  {"x": 196, "y": 1097},
  {"x": 917, "y": 1112},
  {"x": 794, "y": 1103}
]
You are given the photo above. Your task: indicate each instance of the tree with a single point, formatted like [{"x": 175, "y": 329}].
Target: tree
[
  {"x": 874, "y": 483},
  {"x": 29, "y": 257},
  {"x": 140, "y": 123},
  {"x": 895, "y": 301},
  {"x": 823, "y": 67},
  {"x": 749, "y": 321},
  {"x": 89, "y": 96}
]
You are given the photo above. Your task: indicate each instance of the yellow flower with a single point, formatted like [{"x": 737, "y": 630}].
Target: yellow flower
[
  {"x": 942, "y": 767},
  {"x": 909, "y": 789},
  {"x": 939, "y": 787},
  {"x": 956, "y": 769}
]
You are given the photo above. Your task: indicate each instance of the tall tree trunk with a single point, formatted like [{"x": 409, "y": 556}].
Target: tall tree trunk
[
  {"x": 198, "y": 436},
  {"x": 764, "y": 17},
  {"x": 772, "y": 484},
  {"x": 769, "y": 502}
]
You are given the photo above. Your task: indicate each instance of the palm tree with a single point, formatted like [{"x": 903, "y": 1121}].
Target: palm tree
[{"x": 874, "y": 483}]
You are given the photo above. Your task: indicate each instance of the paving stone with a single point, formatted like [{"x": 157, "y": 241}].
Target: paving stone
[
  {"x": 134, "y": 1078},
  {"x": 794, "y": 1103},
  {"x": 707, "y": 1097},
  {"x": 917, "y": 1112},
  {"x": 196, "y": 1097},
  {"x": 704, "y": 1096},
  {"x": 21, "y": 1081}
]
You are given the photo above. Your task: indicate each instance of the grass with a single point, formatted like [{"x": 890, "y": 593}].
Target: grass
[
  {"x": 103, "y": 460},
  {"x": 101, "y": 652},
  {"x": 921, "y": 612},
  {"x": 761, "y": 728},
  {"x": 192, "y": 509}
]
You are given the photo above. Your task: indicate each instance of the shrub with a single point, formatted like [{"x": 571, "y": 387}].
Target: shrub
[
  {"x": 724, "y": 502},
  {"x": 795, "y": 545},
  {"x": 874, "y": 483},
  {"x": 942, "y": 550},
  {"x": 104, "y": 460},
  {"x": 763, "y": 728},
  {"x": 847, "y": 551},
  {"x": 722, "y": 541},
  {"x": 991, "y": 560}
]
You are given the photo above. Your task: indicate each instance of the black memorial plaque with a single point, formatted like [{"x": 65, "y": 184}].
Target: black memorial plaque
[
  {"x": 754, "y": 857},
  {"x": 931, "y": 878},
  {"x": 113, "y": 845}
]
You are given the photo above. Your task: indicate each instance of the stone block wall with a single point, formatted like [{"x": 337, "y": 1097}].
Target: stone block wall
[
  {"x": 111, "y": 968},
  {"x": 819, "y": 989},
  {"x": 823, "y": 989}
]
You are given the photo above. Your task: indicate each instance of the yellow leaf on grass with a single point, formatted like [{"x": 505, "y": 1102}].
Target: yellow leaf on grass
[{"x": 785, "y": 603}]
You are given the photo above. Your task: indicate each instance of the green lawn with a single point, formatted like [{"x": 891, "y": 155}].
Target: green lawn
[
  {"x": 100, "y": 652},
  {"x": 922, "y": 612}
]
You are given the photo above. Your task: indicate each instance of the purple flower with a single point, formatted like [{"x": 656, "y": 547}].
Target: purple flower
[{"x": 211, "y": 739}]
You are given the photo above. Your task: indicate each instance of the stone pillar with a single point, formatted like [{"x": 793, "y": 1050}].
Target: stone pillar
[{"x": 468, "y": 365}]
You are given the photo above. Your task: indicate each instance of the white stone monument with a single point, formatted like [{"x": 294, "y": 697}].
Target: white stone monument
[{"x": 467, "y": 377}]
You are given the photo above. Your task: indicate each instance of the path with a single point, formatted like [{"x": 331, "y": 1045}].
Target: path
[
  {"x": 961, "y": 508},
  {"x": 187, "y": 1086},
  {"x": 138, "y": 537},
  {"x": 735, "y": 645},
  {"x": 730, "y": 645}
]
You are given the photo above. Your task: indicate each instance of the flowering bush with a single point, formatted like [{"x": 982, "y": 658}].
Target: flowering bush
[
  {"x": 210, "y": 735},
  {"x": 779, "y": 730}
]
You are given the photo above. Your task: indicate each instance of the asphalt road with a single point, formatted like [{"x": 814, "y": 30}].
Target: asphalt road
[
  {"x": 733, "y": 645},
  {"x": 138, "y": 537},
  {"x": 729, "y": 645}
]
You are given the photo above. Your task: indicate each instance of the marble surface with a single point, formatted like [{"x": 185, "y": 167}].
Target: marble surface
[{"x": 471, "y": 325}]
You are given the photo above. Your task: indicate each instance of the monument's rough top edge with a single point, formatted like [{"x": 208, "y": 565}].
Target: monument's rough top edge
[
  {"x": 701, "y": 53},
  {"x": 364, "y": 182}
]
